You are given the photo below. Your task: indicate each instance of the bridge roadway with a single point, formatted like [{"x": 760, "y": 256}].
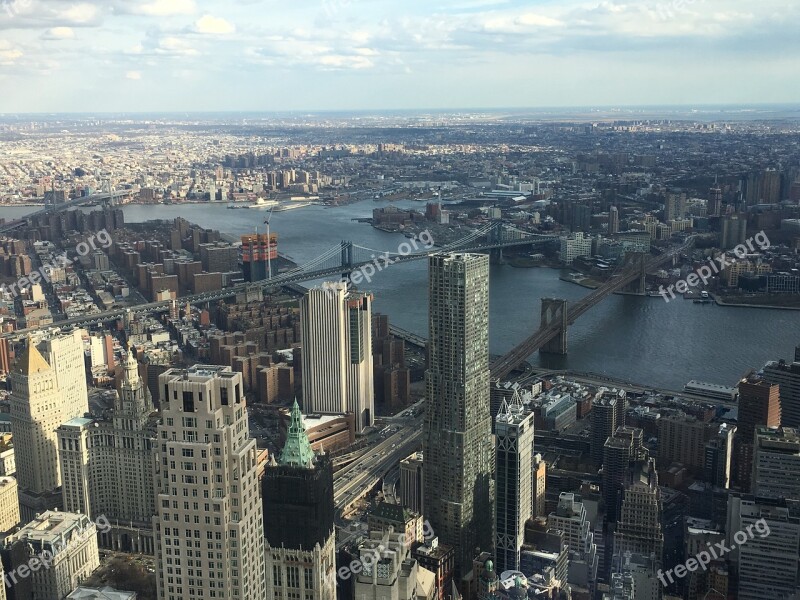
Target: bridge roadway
[
  {"x": 293, "y": 276},
  {"x": 50, "y": 208},
  {"x": 503, "y": 366}
]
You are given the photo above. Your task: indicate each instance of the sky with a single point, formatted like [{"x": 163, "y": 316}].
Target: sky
[{"x": 314, "y": 55}]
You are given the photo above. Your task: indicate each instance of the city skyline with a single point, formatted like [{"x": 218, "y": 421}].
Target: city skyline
[{"x": 178, "y": 55}]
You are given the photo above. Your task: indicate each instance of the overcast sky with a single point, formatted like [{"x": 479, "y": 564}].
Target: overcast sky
[{"x": 216, "y": 55}]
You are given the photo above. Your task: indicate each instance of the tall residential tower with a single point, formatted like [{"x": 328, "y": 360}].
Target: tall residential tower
[{"x": 457, "y": 433}]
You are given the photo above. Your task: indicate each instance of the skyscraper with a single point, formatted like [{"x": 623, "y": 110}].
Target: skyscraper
[
  {"x": 718, "y": 453},
  {"x": 776, "y": 463},
  {"x": 336, "y": 334},
  {"x": 297, "y": 493},
  {"x": 787, "y": 376},
  {"x": 639, "y": 526},
  {"x": 613, "y": 220},
  {"x": 608, "y": 413},
  {"x": 36, "y": 413},
  {"x": 107, "y": 465},
  {"x": 759, "y": 406},
  {"x": 714, "y": 201},
  {"x": 621, "y": 450},
  {"x": 64, "y": 353},
  {"x": 513, "y": 488},
  {"x": 208, "y": 508},
  {"x": 457, "y": 432}
]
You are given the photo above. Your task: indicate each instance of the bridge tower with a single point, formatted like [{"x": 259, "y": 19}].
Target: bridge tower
[
  {"x": 638, "y": 260},
  {"x": 495, "y": 236},
  {"x": 347, "y": 259},
  {"x": 554, "y": 310}
]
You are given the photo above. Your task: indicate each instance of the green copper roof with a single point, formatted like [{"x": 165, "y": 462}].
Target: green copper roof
[{"x": 297, "y": 450}]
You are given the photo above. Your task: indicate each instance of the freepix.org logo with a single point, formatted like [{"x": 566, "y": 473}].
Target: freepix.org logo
[{"x": 715, "y": 266}]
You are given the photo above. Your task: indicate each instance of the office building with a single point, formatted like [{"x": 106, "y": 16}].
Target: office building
[
  {"x": 682, "y": 439},
  {"x": 337, "y": 367},
  {"x": 207, "y": 489},
  {"x": 714, "y": 206},
  {"x": 607, "y": 414},
  {"x": 572, "y": 520},
  {"x": 634, "y": 577},
  {"x": 64, "y": 353},
  {"x": 539, "y": 484},
  {"x": 621, "y": 450},
  {"x": 439, "y": 559},
  {"x": 388, "y": 572},
  {"x": 457, "y": 431},
  {"x": 573, "y": 246},
  {"x": 411, "y": 483},
  {"x": 718, "y": 457},
  {"x": 36, "y": 413},
  {"x": 767, "y": 564},
  {"x": 107, "y": 465},
  {"x": 638, "y": 529},
  {"x": 513, "y": 487},
  {"x": 776, "y": 463},
  {"x": 72, "y": 541},
  {"x": 9, "y": 504},
  {"x": 787, "y": 376},
  {"x": 759, "y": 406},
  {"x": 297, "y": 492}
]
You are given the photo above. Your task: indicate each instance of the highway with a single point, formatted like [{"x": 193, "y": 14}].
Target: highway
[{"x": 101, "y": 197}]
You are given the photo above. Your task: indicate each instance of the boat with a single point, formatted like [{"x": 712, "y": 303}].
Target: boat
[{"x": 237, "y": 206}]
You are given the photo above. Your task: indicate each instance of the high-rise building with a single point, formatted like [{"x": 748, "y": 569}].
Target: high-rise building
[
  {"x": 767, "y": 564},
  {"x": 674, "y": 207},
  {"x": 411, "y": 490},
  {"x": 107, "y": 465},
  {"x": 714, "y": 201},
  {"x": 638, "y": 529},
  {"x": 613, "y": 220},
  {"x": 457, "y": 432},
  {"x": 759, "y": 406},
  {"x": 513, "y": 487},
  {"x": 733, "y": 231},
  {"x": 621, "y": 450},
  {"x": 297, "y": 492},
  {"x": 718, "y": 454},
  {"x": 607, "y": 414},
  {"x": 258, "y": 251},
  {"x": 776, "y": 463},
  {"x": 682, "y": 439},
  {"x": 9, "y": 504},
  {"x": 336, "y": 333},
  {"x": 36, "y": 413},
  {"x": 787, "y": 376},
  {"x": 64, "y": 353},
  {"x": 207, "y": 489},
  {"x": 539, "y": 484},
  {"x": 571, "y": 519}
]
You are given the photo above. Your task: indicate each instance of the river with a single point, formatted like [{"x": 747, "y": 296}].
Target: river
[{"x": 640, "y": 339}]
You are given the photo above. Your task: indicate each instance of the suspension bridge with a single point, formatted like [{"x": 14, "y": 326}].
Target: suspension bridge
[
  {"x": 341, "y": 261},
  {"x": 558, "y": 314}
]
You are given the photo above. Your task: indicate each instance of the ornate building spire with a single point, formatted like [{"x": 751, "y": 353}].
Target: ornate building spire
[{"x": 297, "y": 450}]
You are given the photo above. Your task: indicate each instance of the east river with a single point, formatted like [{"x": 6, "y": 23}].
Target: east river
[{"x": 640, "y": 339}]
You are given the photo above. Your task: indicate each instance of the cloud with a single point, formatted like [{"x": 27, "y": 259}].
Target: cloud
[
  {"x": 213, "y": 25},
  {"x": 80, "y": 14},
  {"x": 135, "y": 75},
  {"x": 59, "y": 33},
  {"x": 166, "y": 8},
  {"x": 9, "y": 53}
]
